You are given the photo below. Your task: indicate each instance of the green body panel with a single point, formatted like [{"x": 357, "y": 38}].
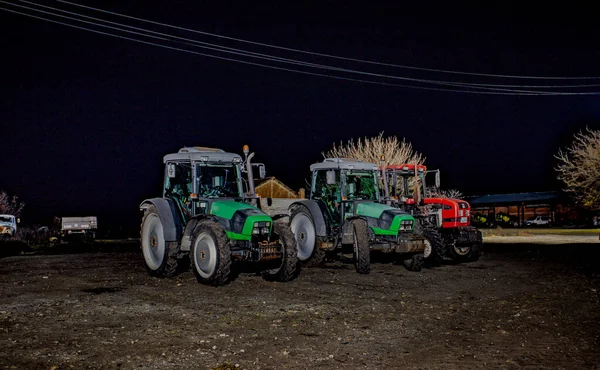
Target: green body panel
[
  {"x": 236, "y": 236},
  {"x": 227, "y": 208},
  {"x": 371, "y": 209},
  {"x": 374, "y": 210},
  {"x": 391, "y": 231}
]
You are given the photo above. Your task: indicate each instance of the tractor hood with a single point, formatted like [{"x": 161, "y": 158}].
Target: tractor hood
[
  {"x": 241, "y": 218},
  {"x": 375, "y": 210},
  {"x": 385, "y": 219}
]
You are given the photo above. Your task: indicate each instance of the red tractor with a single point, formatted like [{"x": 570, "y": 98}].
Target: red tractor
[{"x": 405, "y": 188}]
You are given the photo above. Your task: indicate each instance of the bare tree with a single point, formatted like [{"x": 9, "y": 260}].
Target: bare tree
[
  {"x": 10, "y": 205},
  {"x": 371, "y": 150},
  {"x": 579, "y": 168}
]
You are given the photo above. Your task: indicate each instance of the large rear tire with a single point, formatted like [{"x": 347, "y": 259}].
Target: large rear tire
[
  {"x": 289, "y": 264},
  {"x": 210, "y": 255},
  {"x": 159, "y": 256},
  {"x": 361, "y": 248},
  {"x": 305, "y": 234}
]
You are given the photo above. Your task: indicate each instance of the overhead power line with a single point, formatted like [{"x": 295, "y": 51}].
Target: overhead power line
[
  {"x": 329, "y": 55},
  {"x": 235, "y": 51},
  {"x": 500, "y": 92}
]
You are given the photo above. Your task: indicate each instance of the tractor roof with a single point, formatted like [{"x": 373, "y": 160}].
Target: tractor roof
[
  {"x": 343, "y": 164},
  {"x": 406, "y": 167},
  {"x": 198, "y": 153}
]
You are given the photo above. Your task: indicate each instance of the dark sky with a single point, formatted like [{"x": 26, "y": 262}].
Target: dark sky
[{"x": 87, "y": 118}]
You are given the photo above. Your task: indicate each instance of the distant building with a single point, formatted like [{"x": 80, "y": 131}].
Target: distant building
[
  {"x": 523, "y": 206},
  {"x": 271, "y": 189}
]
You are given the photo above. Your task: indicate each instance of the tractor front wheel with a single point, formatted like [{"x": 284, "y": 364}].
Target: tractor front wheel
[
  {"x": 361, "y": 248},
  {"x": 160, "y": 256},
  {"x": 461, "y": 252},
  {"x": 415, "y": 262},
  {"x": 210, "y": 256},
  {"x": 289, "y": 255}
]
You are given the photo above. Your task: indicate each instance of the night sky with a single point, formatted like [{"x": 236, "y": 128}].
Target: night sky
[{"x": 87, "y": 118}]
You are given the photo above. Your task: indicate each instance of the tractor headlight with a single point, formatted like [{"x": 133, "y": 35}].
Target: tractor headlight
[
  {"x": 262, "y": 227},
  {"x": 407, "y": 224}
]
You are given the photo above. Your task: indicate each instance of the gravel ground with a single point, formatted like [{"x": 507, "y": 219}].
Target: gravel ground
[{"x": 519, "y": 306}]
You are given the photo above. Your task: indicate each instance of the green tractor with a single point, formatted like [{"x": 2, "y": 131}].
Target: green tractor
[
  {"x": 342, "y": 214},
  {"x": 205, "y": 217}
]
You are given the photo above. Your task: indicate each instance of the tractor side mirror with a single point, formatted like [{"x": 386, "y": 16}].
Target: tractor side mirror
[
  {"x": 330, "y": 176},
  {"x": 217, "y": 181},
  {"x": 437, "y": 179},
  {"x": 171, "y": 170},
  {"x": 262, "y": 172}
]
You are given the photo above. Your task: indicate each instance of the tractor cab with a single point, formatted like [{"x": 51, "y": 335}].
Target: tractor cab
[
  {"x": 340, "y": 184},
  {"x": 197, "y": 176},
  {"x": 405, "y": 183}
]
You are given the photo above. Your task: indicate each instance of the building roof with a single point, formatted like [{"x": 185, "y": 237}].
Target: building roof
[
  {"x": 343, "y": 164},
  {"x": 272, "y": 187},
  {"x": 514, "y": 198},
  {"x": 205, "y": 154}
]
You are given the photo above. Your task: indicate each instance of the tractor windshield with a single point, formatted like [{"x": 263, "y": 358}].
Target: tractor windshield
[
  {"x": 214, "y": 181},
  {"x": 361, "y": 185}
]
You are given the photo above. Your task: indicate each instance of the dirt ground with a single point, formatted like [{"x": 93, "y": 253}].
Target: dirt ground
[{"x": 519, "y": 306}]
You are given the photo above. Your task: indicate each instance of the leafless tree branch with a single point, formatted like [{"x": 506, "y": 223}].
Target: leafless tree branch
[
  {"x": 10, "y": 205},
  {"x": 579, "y": 168}
]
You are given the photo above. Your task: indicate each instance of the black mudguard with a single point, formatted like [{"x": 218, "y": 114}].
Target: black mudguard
[
  {"x": 168, "y": 216},
  {"x": 317, "y": 211}
]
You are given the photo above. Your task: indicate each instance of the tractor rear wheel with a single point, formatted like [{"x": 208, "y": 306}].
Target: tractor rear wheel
[
  {"x": 160, "y": 256},
  {"x": 361, "y": 248},
  {"x": 210, "y": 256},
  {"x": 289, "y": 251},
  {"x": 305, "y": 234}
]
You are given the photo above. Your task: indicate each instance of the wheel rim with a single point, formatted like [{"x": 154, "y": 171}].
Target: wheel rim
[
  {"x": 305, "y": 235},
  {"x": 427, "y": 251},
  {"x": 205, "y": 255},
  {"x": 153, "y": 242},
  {"x": 462, "y": 250}
]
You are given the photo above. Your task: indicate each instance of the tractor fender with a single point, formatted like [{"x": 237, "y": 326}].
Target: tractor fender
[
  {"x": 186, "y": 238},
  {"x": 168, "y": 216},
  {"x": 347, "y": 232},
  {"x": 279, "y": 216},
  {"x": 316, "y": 213}
]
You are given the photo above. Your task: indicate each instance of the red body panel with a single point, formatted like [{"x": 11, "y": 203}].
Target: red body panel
[
  {"x": 405, "y": 167},
  {"x": 453, "y": 210}
]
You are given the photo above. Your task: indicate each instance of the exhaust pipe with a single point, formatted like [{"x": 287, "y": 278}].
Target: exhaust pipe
[{"x": 249, "y": 170}]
